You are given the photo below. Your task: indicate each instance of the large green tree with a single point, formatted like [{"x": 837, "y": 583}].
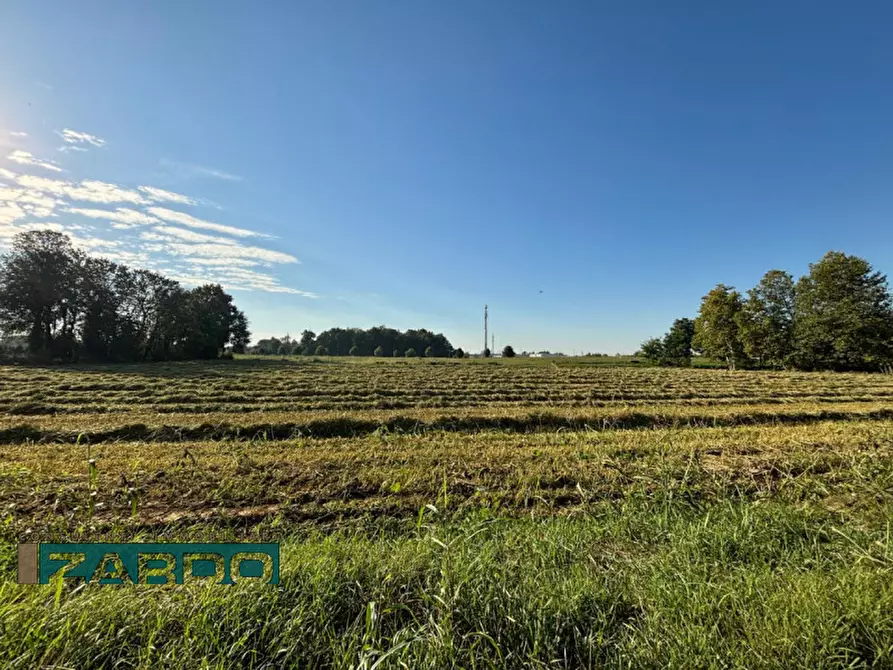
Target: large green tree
[
  {"x": 101, "y": 324},
  {"x": 843, "y": 318},
  {"x": 39, "y": 281},
  {"x": 766, "y": 320},
  {"x": 211, "y": 318},
  {"x": 717, "y": 332},
  {"x": 677, "y": 343}
]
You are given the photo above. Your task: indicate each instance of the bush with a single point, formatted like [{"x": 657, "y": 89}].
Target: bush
[
  {"x": 460, "y": 353},
  {"x": 379, "y": 352},
  {"x": 322, "y": 351},
  {"x": 508, "y": 352},
  {"x": 410, "y": 353},
  {"x": 397, "y": 353},
  {"x": 354, "y": 351},
  {"x": 227, "y": 356},
  {"x": 429, "y": 352},
  {"x": 487, "y": 352}
]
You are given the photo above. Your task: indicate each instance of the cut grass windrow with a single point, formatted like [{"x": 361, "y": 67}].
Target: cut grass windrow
[{"x": 279, "y": 427}]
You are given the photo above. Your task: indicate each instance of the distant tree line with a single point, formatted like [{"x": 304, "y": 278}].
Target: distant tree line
[
  {"x": 837, "y": 317},
  {"x": 379, "y": 341},
  {"x": 67, "y": 306}
]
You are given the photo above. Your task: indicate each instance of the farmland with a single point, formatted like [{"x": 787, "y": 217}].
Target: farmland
[{"x": 441, "y": 513}]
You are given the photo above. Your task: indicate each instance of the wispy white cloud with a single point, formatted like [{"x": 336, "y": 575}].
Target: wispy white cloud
[
  {"x": 189, "y": 171},
  {"x": 76, "y": 137},
  {"x": 185, "y": 277},
  {"x": 15, "y": 133},
  {"x": 27, "y": 158},
  {"x": 183, "y": 246},
  {"x": 44, "y": 185},
  {"x": 251, "y": 279},
  {"x": 160, "y": 195},
  {"x": 155, "y": 237},
  {"x": 192, "y": 236},
  {"x": 99, "y": 191},
  {"x": 94, "y": 242},
  {"x": 58, "y": 227},
  {"x": 173, "y": 216},
  {"x": 222, "y": 262},
  {"x": 88, "y": 190},
  {"x": 114, "y": 250},
  {"x": 37, "y": 206},
  {"x": 232, "y": 251},
  {"x": 10, "y": 212},
  {"x": 33, "y": 203},
  {"x": 121, "y": 215},
  {"x": 288, "y": 289},
  {"x": 8, "y": 230},
  {"x": 131, "y": 258},
  {"x": 236, "y": 279}
]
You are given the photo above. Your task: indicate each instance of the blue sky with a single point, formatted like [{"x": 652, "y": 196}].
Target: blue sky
[{"x": 406, "y": 162}]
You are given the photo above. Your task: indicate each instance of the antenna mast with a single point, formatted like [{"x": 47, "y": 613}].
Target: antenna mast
[{"x": 485, "y": 329}]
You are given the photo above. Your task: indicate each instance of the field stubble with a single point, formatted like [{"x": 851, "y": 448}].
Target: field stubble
[{"x": 471, "y": 514}]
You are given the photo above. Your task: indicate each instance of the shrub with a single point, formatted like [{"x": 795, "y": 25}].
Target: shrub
[
  {"x": 379, "y": 352},
  {"x": 397, "y": 353},
  {"x": 508, "y": 351},
  {"x": 429, "y": 352},
  {"x": 354, "y": 351},
  {"x": 322, "y": 351},
  {"x": 410, "y": 353}
]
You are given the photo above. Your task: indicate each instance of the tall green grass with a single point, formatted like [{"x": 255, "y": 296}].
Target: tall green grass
[{"x": 647, "y": 583}]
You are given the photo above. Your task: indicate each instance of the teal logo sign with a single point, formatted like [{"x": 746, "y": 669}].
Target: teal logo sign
[{"x": 172, "y": 563}]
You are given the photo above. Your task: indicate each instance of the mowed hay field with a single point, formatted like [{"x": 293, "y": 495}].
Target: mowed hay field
[{"x": 435, "y": 513}]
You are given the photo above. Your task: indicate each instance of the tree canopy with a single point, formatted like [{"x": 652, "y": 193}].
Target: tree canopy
[
  {"x": 717, "y": 326},
  {"x": 359, "y": 342},
  {"x": 837, "y": 317},
  {"x": 71, "y": 306},
  {"x": 767, "y": 318},
  {"x": 842, "y": 316}
]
